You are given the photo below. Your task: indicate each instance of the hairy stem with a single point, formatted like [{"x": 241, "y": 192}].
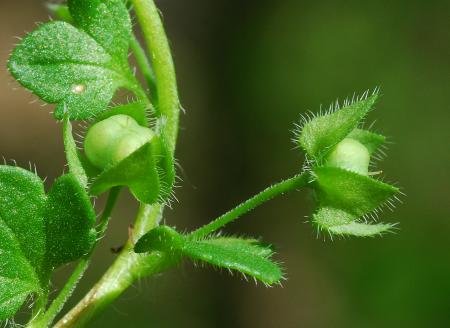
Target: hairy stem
[
  {"x": 127, "y": 268},
  {"x": 168, "y": 104},
  {"x": 280, "y": 188},
  {"x": 57, "y": 305},
  {"x": 145, "y": 67},
  {"x": 70, "y": 147},
  {"x": 106, "y": 215},
  {"x": 39, "y": 307}
]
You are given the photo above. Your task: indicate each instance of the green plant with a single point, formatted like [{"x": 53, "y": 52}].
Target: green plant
[{"x": 78, "y": 63}]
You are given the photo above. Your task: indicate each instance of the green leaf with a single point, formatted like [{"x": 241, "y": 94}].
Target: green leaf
[
  {"x": 233, "y": 255},
  {"x": 22, "y": 200},
  {"x": 106, "y": 21},
  {"x": 138, "y": 171},
  {"x": 14, "y": 291},
  {"x": 248, "y": 256},
  {"x": 253, "y": 246},
  {"x": 162, "y": 239},
  {"x": 318, "y": 135},
  {"x": 372, "y": 141},
  {"x": 70, "y": 221},
  {"x": 22, "y": 238},
  {"x": 356, "y": 194},
  {"x": 38, "y": 232},
  {"x": 77, "y": 69},
  {"x": 18, "y": 278}
]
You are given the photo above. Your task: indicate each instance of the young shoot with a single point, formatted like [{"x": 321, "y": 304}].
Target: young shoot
[{"x": 77, "y": 62}]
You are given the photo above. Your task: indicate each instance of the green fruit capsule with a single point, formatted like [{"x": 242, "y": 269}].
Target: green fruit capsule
[
  {"x": 351, "y": 155},
  {"x": 110, "y": 141}
]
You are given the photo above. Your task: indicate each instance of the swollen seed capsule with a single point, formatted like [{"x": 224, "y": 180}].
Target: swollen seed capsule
[
  {"x": 110, "y": 141},
  {"x": 351, "y": 155}
]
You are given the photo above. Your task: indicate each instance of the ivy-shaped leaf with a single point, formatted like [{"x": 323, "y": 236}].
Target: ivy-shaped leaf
[
  {"x": 247, "y": 256},
  {"x": 77, "y": 69},
  {"x": 38, "y": 232}
]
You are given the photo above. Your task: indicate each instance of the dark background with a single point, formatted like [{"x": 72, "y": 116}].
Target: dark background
[{"x": 246, "y": 70}]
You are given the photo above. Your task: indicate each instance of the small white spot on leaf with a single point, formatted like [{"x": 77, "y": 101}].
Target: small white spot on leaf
[{"x": 78, "y": 89}]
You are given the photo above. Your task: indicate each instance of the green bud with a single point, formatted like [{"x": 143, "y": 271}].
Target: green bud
[
  {"x": 110, "y": 141},
  {"x": 351, "y": 155}
]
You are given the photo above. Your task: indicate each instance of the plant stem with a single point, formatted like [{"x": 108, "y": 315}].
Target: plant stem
[
  {"x": 39, "y": 306},
  {"x": 280, "y": 188},
  {"x": 70, "y": 147},
  {"x": 140, "y": 93},
  {"x": 168, "y": 104},
  {"x": 127, "y": 268},
  {"x": 145, "y": 67},
  {"x": 47, "y": 318},
  {"x": 106, "y": 215}
]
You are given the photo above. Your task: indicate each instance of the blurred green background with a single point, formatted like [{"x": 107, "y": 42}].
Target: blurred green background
[{"x": 247, "y": 69}]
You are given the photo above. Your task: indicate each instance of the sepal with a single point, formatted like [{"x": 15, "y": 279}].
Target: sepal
[{"x": 319, "y": 134}]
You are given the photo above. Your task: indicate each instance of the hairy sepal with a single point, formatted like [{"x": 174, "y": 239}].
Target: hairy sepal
[
  {"x": 347, "y": 199},
  {"x": 355, "y": 193},
  {"x": 148, "y": 172},
  {"x": 318, "y": 135},
  {"x": 337, "y": 222}
]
